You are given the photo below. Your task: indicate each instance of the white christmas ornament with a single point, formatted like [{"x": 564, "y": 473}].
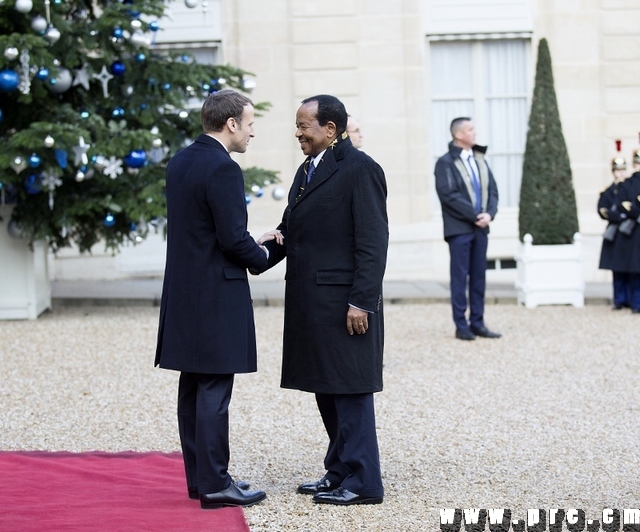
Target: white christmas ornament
[
  {"x": 82, "y": 77},
  {"x": 11, "y": 53},
  {"x": 104, "y": 78},
  {"x": 62, "y": 82},
  {"x": 278, "y": 193},
  {"x": 80, "y": 152},
  {"x": 49, "y": 142},
  {"x": 39, "y": 24},
  {"x": 23, "y": 6},
  {"x": 113, "y": 167},
  {"x": 52, "y": 35},
  {"x": 191, "y": 3}
]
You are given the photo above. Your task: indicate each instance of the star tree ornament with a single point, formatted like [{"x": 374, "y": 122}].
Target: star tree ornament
[
  {"x": 81, "y": 77},
  {"x": 80, "y": 151},
  {"x": 50, "y": 182}
]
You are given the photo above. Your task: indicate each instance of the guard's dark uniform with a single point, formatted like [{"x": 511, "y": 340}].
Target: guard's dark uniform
[
  {"x": 615, "y": 246},
  {"x": 630, "y": 200}
]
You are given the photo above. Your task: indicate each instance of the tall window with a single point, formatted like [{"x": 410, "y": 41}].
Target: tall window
[{"x": 488, "y": 81}]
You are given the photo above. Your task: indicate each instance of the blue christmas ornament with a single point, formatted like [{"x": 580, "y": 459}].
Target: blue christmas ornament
[
  {"x": 185, "y": 58},
  {"x": 143, "y": 106},
  {"x": 152, "y": 81},
  {"x": 247, "y": 199},
  {"x": 140, "y": 58},
  {"x": 206, "y": 87},
  {"x": 154, "y": 26},
  {"x": 258, "y": 193},
  {"x": 118, "y": 111},
  {"x": 133, "y": 226},
  {"x": 166, "y": 86},
  {"x": 9, "y": 80},
  {"x": 84, "y": 114},
  {"x": 136, "y": 159},
  {"x": 33, "y": 184},
  {"x": 42, "y": 74},
  {"x": 117, "y": 32},
  {"x": 34, "y": 161},
  {"x": 109, "y": 220},
  {"x": 62, "y": 158},
  {"x": 117, "y": 68}
]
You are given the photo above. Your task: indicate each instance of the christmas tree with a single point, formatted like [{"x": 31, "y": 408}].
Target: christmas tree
[
  {"x": 547, "y": 200},
  {"x": 90, "y": 112}
]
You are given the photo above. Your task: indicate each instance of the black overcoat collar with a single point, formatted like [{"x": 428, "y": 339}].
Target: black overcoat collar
[{"x": 206, "y": 139}]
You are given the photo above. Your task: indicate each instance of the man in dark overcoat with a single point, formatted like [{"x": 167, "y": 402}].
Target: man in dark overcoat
[
  {"x": 469, "y": 198},
  {"x": 615, "y": 252},
  {"x": 630, "y": 193},
  {"x": 335, "y": 234},
  {"x": 206, "y": 328}
]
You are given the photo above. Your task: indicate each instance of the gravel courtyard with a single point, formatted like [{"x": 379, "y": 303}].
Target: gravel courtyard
[{"x": 543, "y": 418}]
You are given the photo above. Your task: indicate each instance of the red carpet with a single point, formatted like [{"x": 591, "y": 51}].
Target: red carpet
[{"x": 41, "y": 491}]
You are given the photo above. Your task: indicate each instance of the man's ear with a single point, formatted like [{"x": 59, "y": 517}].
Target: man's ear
[
  {"x": 232, "y": 124},
  {"x": 331, "y": 128}
]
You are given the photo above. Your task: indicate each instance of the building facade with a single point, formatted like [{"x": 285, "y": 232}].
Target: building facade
[{"x": 405, "y": 68}]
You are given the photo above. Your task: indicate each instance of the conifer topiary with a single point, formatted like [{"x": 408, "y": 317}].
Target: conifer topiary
[{"x": 547, "y": 199}]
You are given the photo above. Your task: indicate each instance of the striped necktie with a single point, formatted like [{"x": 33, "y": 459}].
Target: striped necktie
[
  {"x": 476, "y": 185},
  {"x": 311, "y": 171}
]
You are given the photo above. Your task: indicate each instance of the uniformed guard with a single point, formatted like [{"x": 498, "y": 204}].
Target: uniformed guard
[
  {"x": 630, "y": 196},
  {"x": 615, "y": 254}
]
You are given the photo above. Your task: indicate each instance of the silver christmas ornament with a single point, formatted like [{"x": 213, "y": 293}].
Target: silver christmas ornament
[
  {"x": 139, "y": 39},
  {"x": 61, "y": 83},
  {"x": 49, "y": 142},
  {"x": 14, "y": 229},
  {"x": 278, "y": 193},
  {"x": 100, "y": 162},
  {"x": 136, "y": 24},
  {"x": 154, "y": 130},
  {"x": 39, "y": 24},
  {"x": 157, "y": 143},
  {"x": 18, "y": 164},
  {"x": 191, "y": 3},
  {"x": 52, "y": 35},
  {"x": 11, "y": 53},
  {"x": 23, "y": 6},
  {"x": 127, "y": 91},
  {"x": 80, "y": 176}
]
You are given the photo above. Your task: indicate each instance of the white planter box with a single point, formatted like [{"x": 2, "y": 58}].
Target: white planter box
[
  {"x": 25, "y": 290},
  {"x": 550, "y": 275}
]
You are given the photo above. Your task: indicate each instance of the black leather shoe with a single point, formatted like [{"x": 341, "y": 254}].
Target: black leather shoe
[
  {"x": 465, "y": 334},
  {"x": 344, "y": 497},
  {"x": 319, "y": 486},
  {"x": 484, "y": 332},
  {"x": 242, "y": 484},
  {"x": 232, "y": 496}
]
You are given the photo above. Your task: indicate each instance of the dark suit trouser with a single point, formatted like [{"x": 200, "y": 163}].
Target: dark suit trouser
[
  {"x": 634, "y": 296},
  {"x": 621, "y": 289},
  {"x": 203, "y": 422},
  {"x": 468, "y": 263},
  {"x": 352, "y": 459}
]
